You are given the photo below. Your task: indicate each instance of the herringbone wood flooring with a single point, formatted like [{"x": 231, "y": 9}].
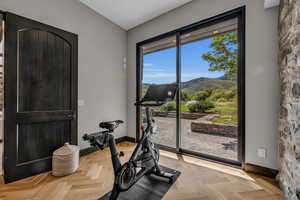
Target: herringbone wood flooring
[{"x": 200, "y": 180}]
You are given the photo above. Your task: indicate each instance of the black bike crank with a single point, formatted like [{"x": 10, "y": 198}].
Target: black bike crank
[{"x": 126, "y": 176}]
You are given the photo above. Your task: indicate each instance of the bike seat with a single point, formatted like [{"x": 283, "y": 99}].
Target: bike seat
[{"x": 111, "y": 125}]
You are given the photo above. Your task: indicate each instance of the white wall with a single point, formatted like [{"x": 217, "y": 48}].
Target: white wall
[
  {"x": 102, "y": 48},
  {"x": 262, "y": 84}
]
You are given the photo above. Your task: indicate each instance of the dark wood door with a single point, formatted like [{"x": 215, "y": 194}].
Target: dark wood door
[{"x": 40, "y": 95}]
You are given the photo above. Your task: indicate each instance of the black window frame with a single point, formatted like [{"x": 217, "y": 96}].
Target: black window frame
[{"x": 238, "y": 13}]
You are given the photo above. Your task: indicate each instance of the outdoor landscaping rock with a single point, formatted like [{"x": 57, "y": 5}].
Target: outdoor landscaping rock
[
  {"x": 214, "y": 128},
  {"x": 183, "y": 115}
]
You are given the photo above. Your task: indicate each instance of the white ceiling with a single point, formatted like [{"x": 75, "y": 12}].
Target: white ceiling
[{"x": 130, "y": 13}]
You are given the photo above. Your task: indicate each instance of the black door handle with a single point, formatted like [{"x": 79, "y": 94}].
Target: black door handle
[{"x": 72, "y": 116}]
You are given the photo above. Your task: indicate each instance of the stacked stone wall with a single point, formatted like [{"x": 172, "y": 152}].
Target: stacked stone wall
[
  {"x": 289, "y": 118},
  {"x": 206, "y": 127}
]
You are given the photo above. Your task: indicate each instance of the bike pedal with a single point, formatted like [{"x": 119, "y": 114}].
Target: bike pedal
[
  {"x": 172, "y": 179},
  {"x": 121, "y": 154}
]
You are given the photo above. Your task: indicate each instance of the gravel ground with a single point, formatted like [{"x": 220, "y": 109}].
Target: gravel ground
[{"x": 220, "y": 146}]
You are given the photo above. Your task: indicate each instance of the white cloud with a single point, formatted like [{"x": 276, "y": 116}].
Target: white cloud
[
  {"x": 160, "y": 75},
  {"x": 148, "y": 65},
  {"x": 153, "y": 70},
  {"x": 183, "y": 75},
  {"x": 194, "y": 75}
]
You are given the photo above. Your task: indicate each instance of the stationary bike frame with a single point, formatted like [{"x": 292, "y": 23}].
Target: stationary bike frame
[
  {"x": 133, "y": 159},
  {"x": 145, "y": 155}
]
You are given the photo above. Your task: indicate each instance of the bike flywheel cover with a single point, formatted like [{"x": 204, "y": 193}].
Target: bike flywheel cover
[{"x": 126, "y": 177}]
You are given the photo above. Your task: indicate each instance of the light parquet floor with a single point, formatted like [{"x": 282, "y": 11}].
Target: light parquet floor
[{"x": 200, "y": 180}]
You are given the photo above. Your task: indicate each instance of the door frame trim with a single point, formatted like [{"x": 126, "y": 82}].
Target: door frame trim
[{"x": 238, "y": 13}]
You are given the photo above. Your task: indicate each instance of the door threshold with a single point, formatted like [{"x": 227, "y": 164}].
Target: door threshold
[{"x": 222, "y": 161}]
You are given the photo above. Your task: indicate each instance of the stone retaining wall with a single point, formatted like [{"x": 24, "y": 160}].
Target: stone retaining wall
[
  {"x": 183, "y": 115},
  {"x": 215, "y": 128}
]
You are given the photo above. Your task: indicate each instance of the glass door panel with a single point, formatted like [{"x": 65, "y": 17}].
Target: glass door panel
[
  {"x": 159, "y": 67},
  {"x": 209, "y": 99}
]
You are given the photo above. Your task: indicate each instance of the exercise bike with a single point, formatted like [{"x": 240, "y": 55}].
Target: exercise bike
[{"x": 145, "y": 157}]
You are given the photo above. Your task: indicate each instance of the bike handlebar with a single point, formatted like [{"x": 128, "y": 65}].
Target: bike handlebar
[
  {"x": 97, "y": 139},
  {"x": 92, "y": 136},
  {"x": 100, "y": 138}
]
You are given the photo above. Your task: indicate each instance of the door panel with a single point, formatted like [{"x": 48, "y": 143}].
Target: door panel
[
  {"x": 41, "y": 135},
  {"x": 159, "y": 67},
  {"x": 41, "y": 95},
  {"x": 40, "y": 73},
  {"x": 210, "y": 54}
]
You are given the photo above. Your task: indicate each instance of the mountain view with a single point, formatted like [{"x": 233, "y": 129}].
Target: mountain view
[
  {"x": 208, "y": 73},
  {"x": 202, "y": 83}
]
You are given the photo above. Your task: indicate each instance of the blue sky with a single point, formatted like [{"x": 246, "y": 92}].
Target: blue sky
[{"x": 160, "y": 67}]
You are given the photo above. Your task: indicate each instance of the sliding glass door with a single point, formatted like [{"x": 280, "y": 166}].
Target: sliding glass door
[
  {"x": 209, "y": 85},
  {"x": 207, "y": 62},
  {"x": 159, "y": 67}
]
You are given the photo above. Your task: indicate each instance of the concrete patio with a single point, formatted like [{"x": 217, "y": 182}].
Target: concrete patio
[{"x": 220, "y": 146}]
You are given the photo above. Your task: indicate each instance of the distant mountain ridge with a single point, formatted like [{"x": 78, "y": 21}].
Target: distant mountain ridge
[{"x": 198, "y": 84}]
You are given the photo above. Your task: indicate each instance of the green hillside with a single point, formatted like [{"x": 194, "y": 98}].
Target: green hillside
[
  {"x": 222, "y": 100},
  {"x": 202, "y": 83},
  {"x": 199, "y": 84}
]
